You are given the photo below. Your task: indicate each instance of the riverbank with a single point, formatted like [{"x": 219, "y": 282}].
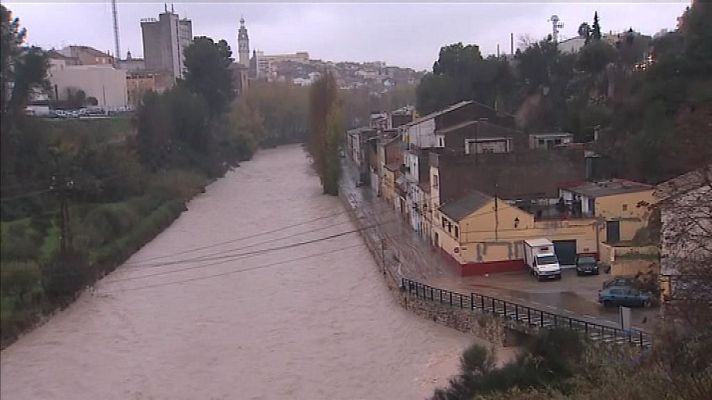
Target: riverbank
[
  {"x": 134, "y": 223},
  {"x": 394, "y": 267},
  {"x": 302, "y": 315}
]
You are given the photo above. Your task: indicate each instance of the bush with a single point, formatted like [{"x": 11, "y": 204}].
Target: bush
[
  {"x": 105, "y": 223},
  {"x": 553, "y": 356},
  {"x": 109, "y": 256},
  {"x": 65, "y": 275},
  {"x": 20, "y": 242},
  {"x": 19, "y": 280},
  {"x": 173, "y": 185}
]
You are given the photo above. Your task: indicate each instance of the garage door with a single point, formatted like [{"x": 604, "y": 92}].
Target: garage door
[{"x": 565, "y": 251}]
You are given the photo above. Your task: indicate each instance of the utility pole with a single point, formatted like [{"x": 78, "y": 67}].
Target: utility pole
[
  {"x": 383, "y": 254},
  {"x": 496, "y": 217},
  {"x": 62, "y": 186}
]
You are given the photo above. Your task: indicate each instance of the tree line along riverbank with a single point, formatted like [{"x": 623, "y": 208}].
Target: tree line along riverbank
[{"x": 81, "y": 196}]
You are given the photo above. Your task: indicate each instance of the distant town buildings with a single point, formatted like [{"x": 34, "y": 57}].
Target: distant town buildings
[
  {"x": 85, "y": 55},
  {"x": 164, "y": 40}
]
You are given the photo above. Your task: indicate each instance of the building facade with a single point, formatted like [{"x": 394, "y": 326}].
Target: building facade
[
  {"x": 103, "y": 82},
  {"x": 164, "y": 40},
  {"x": 685, "y": 234},
  {"x": 86, "y": 55}
]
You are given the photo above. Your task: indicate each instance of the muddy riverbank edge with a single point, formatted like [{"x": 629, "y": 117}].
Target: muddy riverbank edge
[{"x": 479, "y": 325}]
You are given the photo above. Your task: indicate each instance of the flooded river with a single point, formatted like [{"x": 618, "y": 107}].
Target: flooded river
[{"x": 241, "y": 298}]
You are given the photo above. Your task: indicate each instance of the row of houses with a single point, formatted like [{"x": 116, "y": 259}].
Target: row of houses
[{"x": 475, "y": 187}]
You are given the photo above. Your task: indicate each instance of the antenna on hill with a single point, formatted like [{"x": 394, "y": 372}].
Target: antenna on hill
[{"x": 117, "y": 48}]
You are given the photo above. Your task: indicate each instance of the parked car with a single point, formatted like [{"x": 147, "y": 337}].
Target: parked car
[
  {"x": 586, "y": 265},
  {"x": 624, "y": 296},
  {"x": 622, "y": 282}
]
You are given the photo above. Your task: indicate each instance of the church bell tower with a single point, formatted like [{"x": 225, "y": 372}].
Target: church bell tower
[{"x": 243, "y": 44}]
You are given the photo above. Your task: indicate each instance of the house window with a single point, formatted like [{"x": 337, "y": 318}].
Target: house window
[
  {"x": 435, "y": 180},
  {"x": 443, "y": 222},
  {"x": 625, "y": 207},
  {"x": 457, "y": 233},
  {"x": 541, "y": 142},
  {"x": 449, "y": 227},
  {"x": 441, "y": 142}
]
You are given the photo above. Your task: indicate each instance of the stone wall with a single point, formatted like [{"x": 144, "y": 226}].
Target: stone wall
[
  {"x": 488, "y": 327},
  {"x": 482, "y": 325}
]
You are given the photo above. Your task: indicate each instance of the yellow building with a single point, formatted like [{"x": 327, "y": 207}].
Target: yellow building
[
  {"x": 388, "y": 183},
  {"x": 622, "y": 206},
  {"x": 482, "y": 234}
]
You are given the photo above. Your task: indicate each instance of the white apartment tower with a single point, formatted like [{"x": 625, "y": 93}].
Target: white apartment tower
[
  {"x": 243, "y": 44},
  {"x": 164, "y": 41}
]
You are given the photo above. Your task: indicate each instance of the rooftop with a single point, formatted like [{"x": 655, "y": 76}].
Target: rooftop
[
  {"x": 608, "y": 188},
  {"x": 439, "y": 112},
  {"x": 551, "y": 134},
  {"x": 684, "y": 183},
  {"x": 475, "y": 122},
  {"x": 464, "y": 206}
]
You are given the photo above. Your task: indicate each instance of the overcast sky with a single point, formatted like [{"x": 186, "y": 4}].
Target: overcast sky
[{"x": 403, "y": 34}]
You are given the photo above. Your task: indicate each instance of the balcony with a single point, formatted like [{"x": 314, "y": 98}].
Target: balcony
[{"x": 555, "y": 211}]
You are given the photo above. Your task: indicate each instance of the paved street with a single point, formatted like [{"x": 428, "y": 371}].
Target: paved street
[{"x": 573, "y": 295}]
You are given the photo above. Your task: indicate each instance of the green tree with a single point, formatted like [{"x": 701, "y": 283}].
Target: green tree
[
  {"x": 584, "y": 31},
  {"x": 596, "y": 29},
  {"x": 460, "y": 73},
  {"x": 325, "y": 131},
  {"x": 154, "y": 130},
  {"x": 594, "y": 57},
  {"x": 23, "y": 70},
  {"x": 207, "y": 72}
]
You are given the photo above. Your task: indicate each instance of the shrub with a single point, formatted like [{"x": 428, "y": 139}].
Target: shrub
[
  {"x": 176, "y": 185},
  {"x": 19, "y": 279},
  {"x": 65, "y": 275},
  {"x": 19, "y": 242}
]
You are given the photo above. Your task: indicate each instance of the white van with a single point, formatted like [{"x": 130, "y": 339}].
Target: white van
[{"x": 542, "y": 261}]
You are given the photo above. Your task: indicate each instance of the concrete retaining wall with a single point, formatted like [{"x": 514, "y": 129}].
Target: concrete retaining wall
[{"x": 484, "y": 326}]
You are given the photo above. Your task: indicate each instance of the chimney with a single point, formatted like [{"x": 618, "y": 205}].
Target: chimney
[{"x": 511, "y": 43}]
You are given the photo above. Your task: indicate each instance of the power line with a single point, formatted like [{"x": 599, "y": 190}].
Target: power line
[
  {"x": 255, "y": 252},
  {"x": 30, "y": 194},
  {"x": 242, "y": 238},
  {"x": 262, "y": 266},
  {"x": 207, "y": 257}
]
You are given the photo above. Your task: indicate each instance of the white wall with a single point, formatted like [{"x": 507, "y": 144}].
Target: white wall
[
  {"x": 105, "y": 83},
  {"x": 422, "y": 134}
]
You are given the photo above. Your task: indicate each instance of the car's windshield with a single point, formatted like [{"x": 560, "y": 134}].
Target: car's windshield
[
  {"x": 545, "y": 260},
  {"x": 586, "y": 260}
]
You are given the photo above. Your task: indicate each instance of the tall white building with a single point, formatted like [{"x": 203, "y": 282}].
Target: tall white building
[{"x": 164, "y": 40}]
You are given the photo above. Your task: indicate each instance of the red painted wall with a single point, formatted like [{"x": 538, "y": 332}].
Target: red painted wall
[{"x": 483, "y": 267}]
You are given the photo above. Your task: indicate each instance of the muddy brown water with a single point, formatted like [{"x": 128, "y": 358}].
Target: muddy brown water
[{"x": 307, "y": 321}]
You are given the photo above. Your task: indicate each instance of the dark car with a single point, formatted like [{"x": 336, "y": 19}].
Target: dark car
[
  {"x": 586, "y": 265},
  {"x": 624, "y": 296}
]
